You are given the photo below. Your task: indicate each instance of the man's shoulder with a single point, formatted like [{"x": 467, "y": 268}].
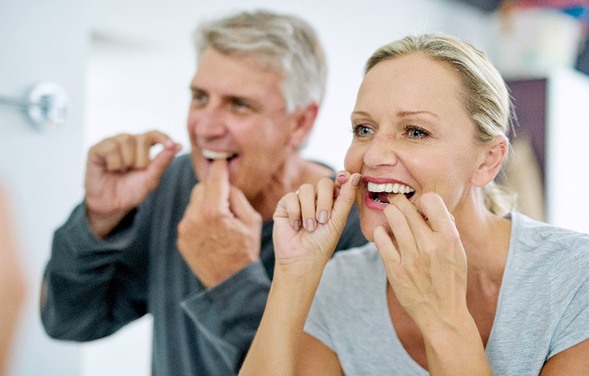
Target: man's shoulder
[{"x": 180, "y": 169}]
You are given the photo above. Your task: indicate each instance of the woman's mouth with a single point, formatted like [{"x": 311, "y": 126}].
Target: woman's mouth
[{"x": 381, "y": 193}]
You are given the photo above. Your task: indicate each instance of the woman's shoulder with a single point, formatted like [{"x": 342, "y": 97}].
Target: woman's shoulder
[
  {"x": 554, "y": 246},
  {"x": 532, "y": 231}
]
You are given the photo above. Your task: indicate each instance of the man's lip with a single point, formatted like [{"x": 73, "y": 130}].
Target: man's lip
[{"x": 213, "y": 155}]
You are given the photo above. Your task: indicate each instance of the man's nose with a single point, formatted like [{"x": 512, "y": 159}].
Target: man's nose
[{"x": 209, "y": 122}]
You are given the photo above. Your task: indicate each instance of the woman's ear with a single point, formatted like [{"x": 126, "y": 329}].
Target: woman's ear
[
  {"x": 492, "y": 160},
  {"x": 304, "y": 120}
]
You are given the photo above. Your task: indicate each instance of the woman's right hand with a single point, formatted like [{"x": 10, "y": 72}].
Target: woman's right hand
[{"x": 308, "y": 223}]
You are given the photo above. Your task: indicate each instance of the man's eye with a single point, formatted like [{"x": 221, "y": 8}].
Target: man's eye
[
  {"x": 199, "y": 98},
  {"x": 240, "y": 104},
  {"x": 361, "y": 130}
]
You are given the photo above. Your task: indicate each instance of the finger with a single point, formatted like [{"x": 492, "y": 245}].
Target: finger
[
  {"x": 127, "y": 149},
  {"x": 438, "y": 216},
  {"x": 216, "y": 183},
  {"x": 402, "y": 232},
  {"x": 306, "y": 195},
  {"x": 289, "y": 207},
  {"x": 325, "y": 189},
  {"x": 109, "y": 151},
  {"x": 242, "y": 209},
  {"x": 414, "y": 217},
  {"x": 162, "y": 160},
  {"x": 340, "y": 179},
  {"x": 386, "y": 247},
  {"x": 345, "y": 200},
  {"x": 145, "y": 141}
]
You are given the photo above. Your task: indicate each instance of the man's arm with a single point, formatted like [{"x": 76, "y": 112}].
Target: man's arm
[
  {"x": 87, "y": 290},
  {"x": 228, "y": 315}
]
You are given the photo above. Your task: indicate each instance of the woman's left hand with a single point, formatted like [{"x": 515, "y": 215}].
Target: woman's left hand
[{"x": 424, "y": 260}]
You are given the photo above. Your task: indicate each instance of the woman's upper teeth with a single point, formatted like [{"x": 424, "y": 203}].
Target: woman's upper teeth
[
  {"x": 390, "y": 188},
  {"x": 210, "y": 154}
]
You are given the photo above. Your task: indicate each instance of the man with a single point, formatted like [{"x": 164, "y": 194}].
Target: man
[{"x": 188, "y": 239}]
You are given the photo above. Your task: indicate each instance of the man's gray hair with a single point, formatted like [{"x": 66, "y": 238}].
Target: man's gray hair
[{"x": 282, "y": 42}]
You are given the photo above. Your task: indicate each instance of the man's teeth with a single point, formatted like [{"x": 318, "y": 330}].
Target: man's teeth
[
  {"x": 210, "y": 154},
  {"x": 390, "y": 188}
]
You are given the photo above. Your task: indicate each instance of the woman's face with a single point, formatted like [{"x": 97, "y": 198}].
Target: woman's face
[{"x": 412, "y": 134}]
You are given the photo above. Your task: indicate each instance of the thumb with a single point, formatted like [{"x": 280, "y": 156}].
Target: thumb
[
  {"x": 161, "y": 161},
  {"x": 345, "y": 200},
  {"x": 242, "y": 209}
]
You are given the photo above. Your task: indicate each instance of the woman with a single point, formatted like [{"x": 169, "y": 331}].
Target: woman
[{"x": 451, "y": 283}]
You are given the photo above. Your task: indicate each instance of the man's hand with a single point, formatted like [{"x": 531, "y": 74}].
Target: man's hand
[
  {"x": 120, "y": 175},
  {"x": 220, "y": 231}
]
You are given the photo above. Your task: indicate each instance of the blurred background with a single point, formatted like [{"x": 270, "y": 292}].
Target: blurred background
[{"x": 110, "y": 66}]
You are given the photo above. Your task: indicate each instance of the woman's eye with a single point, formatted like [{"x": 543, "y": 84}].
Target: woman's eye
[
  {"x": 416, "y": 133},
  {"x": 362, "y": 130}
]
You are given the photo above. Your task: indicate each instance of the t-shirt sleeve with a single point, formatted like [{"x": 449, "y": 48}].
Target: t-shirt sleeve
[
  {"x": 573, "y": 326},
  {"x": 569, "y": 288}
]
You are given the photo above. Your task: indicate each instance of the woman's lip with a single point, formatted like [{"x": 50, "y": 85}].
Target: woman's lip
[
  {"x": 382, "y": 180},
  {"x": 371, "y": 204}
]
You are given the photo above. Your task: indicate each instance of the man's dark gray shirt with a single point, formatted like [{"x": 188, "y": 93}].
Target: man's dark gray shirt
[{"x": 94, "y": 287}]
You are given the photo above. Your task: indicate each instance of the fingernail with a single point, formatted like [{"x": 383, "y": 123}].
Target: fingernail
[
  {"x": 296, "y": 224},
  {"x": 310, "y": 225},
  {"x": 322, "y": 217},
  {"x": 356, "y": 180}
]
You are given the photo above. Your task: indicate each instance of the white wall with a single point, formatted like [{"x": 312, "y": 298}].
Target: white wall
[
  {"x": 41, "y": 40},
  {"x": 567, "y": 175},
  {"x": 139, "y": 80}
]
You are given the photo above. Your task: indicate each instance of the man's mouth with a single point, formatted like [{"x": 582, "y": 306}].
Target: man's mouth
[
  {"x": 212, "y": 155},
  {"x": 380, "y": 193}
]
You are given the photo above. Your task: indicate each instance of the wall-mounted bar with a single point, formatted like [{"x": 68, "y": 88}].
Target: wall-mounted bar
[{"x": 46, "y": 105}]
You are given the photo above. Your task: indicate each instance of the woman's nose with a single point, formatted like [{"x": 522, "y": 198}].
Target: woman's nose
[{"x": 381, "y": 151}]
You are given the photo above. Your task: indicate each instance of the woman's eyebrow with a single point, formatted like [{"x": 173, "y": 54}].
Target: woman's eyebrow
[{"x": 417, "y": 112}]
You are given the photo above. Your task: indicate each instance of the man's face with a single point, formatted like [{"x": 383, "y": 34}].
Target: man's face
[{"x": 238, "y": 113}]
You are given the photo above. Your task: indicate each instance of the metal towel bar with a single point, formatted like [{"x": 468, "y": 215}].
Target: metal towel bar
[{"x": 46, "y": 105}]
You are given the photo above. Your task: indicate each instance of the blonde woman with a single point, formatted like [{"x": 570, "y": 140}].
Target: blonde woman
[{"x": 451, "y": 282}]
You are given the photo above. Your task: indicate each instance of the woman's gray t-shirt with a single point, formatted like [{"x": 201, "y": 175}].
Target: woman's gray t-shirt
[{"x": 543, "y": 305}]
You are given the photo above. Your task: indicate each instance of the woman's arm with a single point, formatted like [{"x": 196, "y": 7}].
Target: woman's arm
[
  {"x": 572, "y": 361},
  {"x": 315, "y": 358},
  {"x": 301, "y": 254}
]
